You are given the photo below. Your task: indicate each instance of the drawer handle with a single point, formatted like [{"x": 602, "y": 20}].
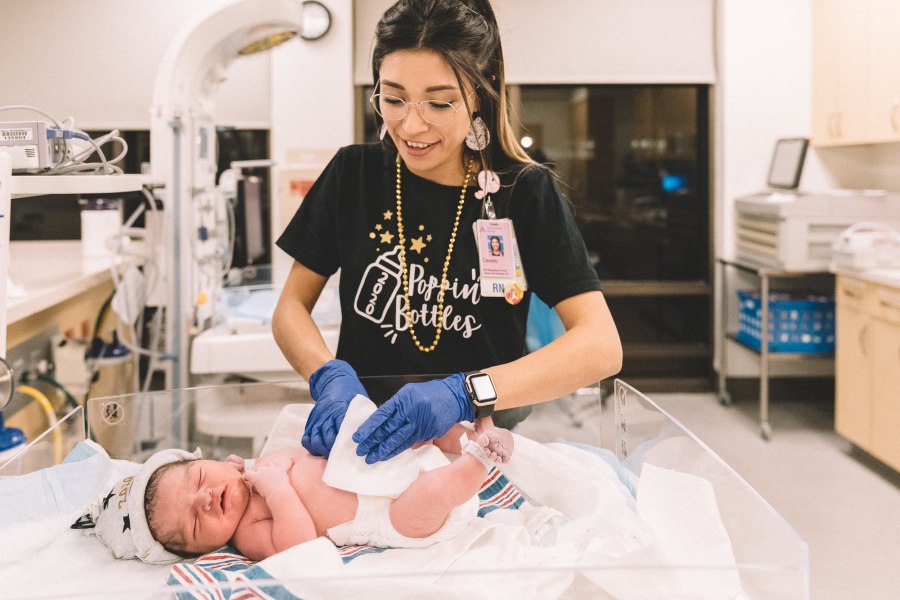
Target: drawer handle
[{"x": 851, "y": 293}]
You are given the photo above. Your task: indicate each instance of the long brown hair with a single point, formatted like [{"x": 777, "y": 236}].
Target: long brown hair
[{"x": 466, "y": 35}]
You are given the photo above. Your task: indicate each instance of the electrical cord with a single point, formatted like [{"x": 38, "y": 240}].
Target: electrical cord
[
  {"x": 128, "y": 333},
  {"x": 53, "y": 382},
  {"x": 101, "y": 315},
  {"x": 74, "y": 164},
  {"x": 52, "y": 421}
]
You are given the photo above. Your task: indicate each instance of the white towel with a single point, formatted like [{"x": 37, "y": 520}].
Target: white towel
[
  {"x": 683, "y": 512},
  {"x": 35, "y": 507},
  {"x": 347, "y": 471}
]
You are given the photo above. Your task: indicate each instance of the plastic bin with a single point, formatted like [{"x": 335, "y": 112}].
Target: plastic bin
[{"x": 799, "y": 322}]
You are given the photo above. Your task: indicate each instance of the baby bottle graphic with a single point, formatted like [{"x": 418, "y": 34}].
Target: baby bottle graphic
[{"x": 379, "y": 285}]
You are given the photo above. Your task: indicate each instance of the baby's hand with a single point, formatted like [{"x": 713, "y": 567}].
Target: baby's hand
[{"x": 271, "y": 477}]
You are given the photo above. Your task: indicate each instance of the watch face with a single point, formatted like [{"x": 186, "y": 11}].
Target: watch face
[{"x": 483, "y": 387}]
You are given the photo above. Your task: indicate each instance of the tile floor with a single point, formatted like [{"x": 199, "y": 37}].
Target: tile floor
[{"x": 845, "y": 505}]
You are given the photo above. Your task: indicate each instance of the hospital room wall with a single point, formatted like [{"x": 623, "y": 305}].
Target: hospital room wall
[
  {"x": 313, "y": 104},
  {"x": 97, "y": 62},
  {"x": 763, "y": 92}
]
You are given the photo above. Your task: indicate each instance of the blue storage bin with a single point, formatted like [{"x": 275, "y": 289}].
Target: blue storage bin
[{"x": 798, "y": 321}]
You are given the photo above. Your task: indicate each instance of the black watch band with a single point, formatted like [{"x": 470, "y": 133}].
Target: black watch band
[{"x": 481, "y": 392}]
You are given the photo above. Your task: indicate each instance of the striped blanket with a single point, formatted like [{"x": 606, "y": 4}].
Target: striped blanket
[{"x": 227, "y": 575}]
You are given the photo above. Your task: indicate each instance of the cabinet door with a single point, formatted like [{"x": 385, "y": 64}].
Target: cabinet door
[
  {"x": 884, "y": 60},
  {"x": 840, "y": 75},
  {"x": 886, "y": 390},
  {"x": 824, "y": 71},
  {"x": 852, "y": 412}
]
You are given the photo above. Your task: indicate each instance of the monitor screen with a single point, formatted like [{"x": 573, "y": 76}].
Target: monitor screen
[
  {"x": 787, "y": 163},
  {"x": 250, "y": 238}
]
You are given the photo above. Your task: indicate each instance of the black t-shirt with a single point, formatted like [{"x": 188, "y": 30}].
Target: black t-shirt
[{"x": 348, "y": 221}]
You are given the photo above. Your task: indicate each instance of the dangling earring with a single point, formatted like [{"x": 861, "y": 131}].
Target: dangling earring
[
  {"x": 479, "y": 136},
  {"x": 383, "y": 131}
]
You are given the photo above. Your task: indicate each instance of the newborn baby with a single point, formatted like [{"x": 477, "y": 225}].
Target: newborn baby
[{"x": 193, "y": 506}]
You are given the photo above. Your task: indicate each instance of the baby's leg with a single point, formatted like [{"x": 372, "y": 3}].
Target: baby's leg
[{"x": 423, "y": 507}]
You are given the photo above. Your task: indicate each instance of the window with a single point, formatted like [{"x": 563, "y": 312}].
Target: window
[{"x": 634, "y": 162}]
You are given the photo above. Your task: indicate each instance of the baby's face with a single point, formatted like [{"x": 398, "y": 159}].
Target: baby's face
[{"x": 199, "y": 505}]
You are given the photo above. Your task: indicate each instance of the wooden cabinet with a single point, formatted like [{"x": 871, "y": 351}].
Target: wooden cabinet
[
  {"x": 886, "y": 377},
  {"x": 867, "y": 369},
  {"x": 840, "y": 73},
  {"x": 856, "y": 72},
  {"x": 852, "y": 417},
  {"x": 884, "y": 68}
]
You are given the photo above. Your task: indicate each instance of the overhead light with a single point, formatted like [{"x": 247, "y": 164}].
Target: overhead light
[
  {"x": 264, "y": 37},
  {"x": 527, "y": 141}
]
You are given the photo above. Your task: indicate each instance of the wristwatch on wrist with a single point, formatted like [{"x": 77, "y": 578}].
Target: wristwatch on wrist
[{"x": 482, "y": 393}]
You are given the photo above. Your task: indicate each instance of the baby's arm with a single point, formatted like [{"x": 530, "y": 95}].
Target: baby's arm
[
  {"x": 449, "y": 442},
  {"x": 290, "y": 523}
]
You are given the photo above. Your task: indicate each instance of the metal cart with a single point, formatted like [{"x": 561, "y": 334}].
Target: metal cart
[{"x": 782, "y": 364}]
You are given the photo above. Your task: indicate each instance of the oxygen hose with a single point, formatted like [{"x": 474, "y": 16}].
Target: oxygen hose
[{"x": 42, "y": 399}]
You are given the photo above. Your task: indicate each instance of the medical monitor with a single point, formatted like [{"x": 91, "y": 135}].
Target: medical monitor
[
  {"x": 787, "y": 163},
  {"x": 250, "y": 238}
]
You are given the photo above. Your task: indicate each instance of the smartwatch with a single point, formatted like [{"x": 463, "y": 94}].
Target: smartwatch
[{"x": 482, "y": 393}]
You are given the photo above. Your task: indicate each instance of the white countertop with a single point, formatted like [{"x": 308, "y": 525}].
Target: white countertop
[
  {"x": 888, "y": 277},
  {"x": 37, "y": 185},
  {"x": 49, "y": 272}
]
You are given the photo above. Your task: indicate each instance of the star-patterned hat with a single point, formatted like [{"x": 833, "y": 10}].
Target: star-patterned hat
[{"x": 119, "y": 518}]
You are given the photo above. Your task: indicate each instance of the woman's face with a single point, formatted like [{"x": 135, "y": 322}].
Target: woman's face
[
  {"x": 430, "y": 151},
  {"x": 495, "y": 244}
]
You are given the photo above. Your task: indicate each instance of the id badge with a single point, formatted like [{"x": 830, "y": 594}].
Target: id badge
[{"x": 499, "y": 262}]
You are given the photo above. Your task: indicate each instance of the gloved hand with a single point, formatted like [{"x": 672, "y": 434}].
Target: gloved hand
[
  {"x": 332, "y": 386},
  {"x": 416, "y": 413}
]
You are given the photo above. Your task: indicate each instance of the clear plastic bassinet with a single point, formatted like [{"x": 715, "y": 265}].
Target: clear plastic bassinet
[{"x": 769, "y": 559}]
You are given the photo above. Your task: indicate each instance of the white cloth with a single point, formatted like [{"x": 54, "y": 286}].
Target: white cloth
[
  {"x": 683, "y": 513},
  {"x": 36, "y": 506},
  {"x": 371, "y": 526},
  {"x": 347, "y": 471}
]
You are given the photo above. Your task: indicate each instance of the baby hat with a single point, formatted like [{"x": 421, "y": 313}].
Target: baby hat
[{"x": 119, "y": 519}]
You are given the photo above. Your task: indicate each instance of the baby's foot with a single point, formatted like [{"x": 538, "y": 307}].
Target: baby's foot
[{"x": 497, "y": 444}]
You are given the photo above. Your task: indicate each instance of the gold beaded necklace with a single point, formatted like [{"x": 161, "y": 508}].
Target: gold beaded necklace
[{"x": 405, "y": 271}]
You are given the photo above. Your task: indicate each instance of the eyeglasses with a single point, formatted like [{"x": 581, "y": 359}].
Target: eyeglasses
[{"x": 436, "y": 112}]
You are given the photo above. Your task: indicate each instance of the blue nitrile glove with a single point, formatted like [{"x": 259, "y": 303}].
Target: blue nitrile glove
[
  {"x": 416, "y": 413},
  {"x": 332, "y": 386}
]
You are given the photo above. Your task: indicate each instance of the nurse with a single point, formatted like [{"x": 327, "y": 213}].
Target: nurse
[{"x": 403, "y": 221}]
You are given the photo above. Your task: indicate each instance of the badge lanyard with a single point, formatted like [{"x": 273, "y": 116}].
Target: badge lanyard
[{"x": 499, "y": 261}]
